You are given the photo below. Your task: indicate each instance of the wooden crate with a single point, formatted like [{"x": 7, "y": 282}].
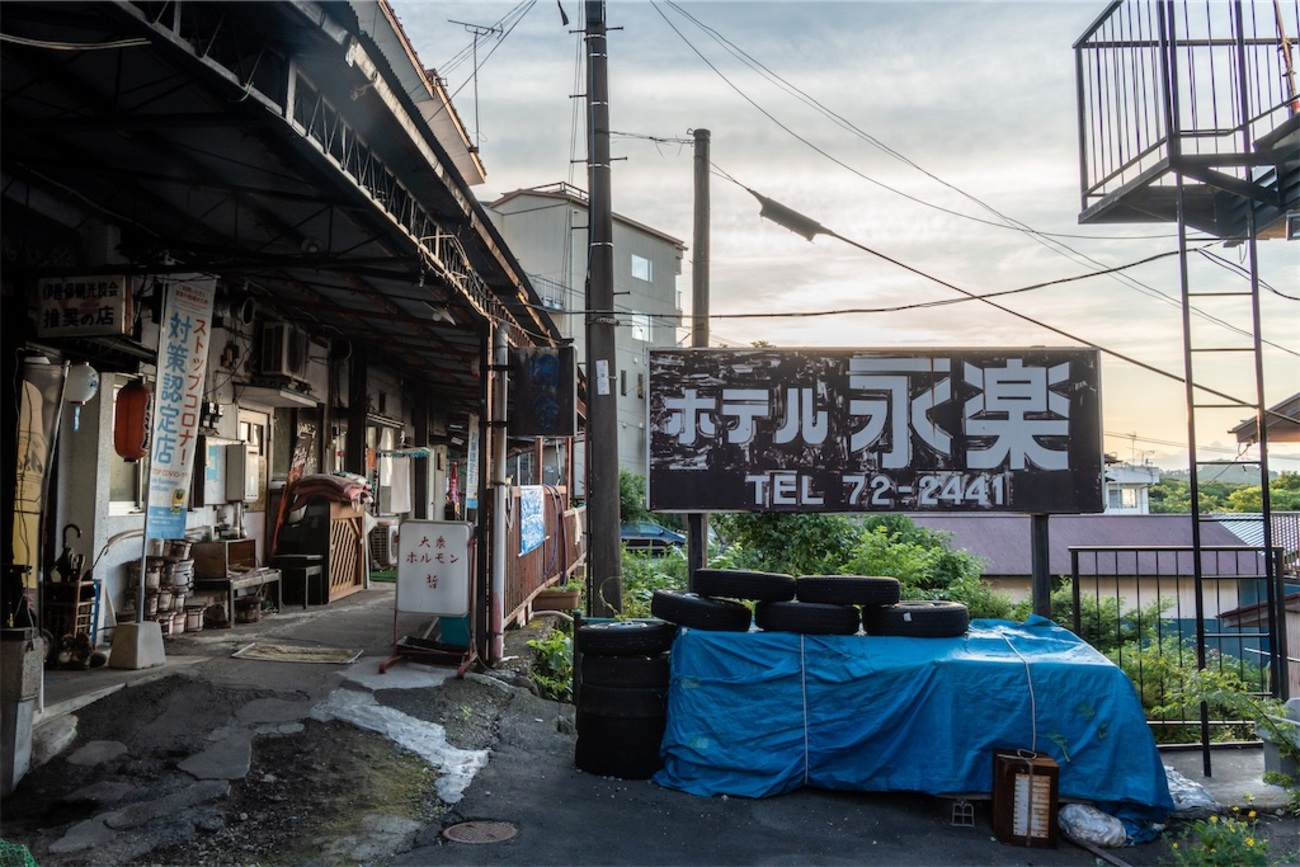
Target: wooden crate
[{"x": 219, "y": 559}]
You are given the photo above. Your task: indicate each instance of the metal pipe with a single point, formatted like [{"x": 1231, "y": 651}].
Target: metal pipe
[{"x": 500, "y": 492}]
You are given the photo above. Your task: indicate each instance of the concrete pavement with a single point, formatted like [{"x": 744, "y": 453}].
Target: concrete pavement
[{"x": 527, "y": 780}]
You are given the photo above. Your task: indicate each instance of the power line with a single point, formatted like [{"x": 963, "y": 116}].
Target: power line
[
  {"x": 806, "y": 226},
  {"x": 847, "y": 125},
  {"x": 1043, "y": 238}
]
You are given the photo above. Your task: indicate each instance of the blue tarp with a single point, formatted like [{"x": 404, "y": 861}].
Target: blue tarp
[{"x": 761, "y": 713}]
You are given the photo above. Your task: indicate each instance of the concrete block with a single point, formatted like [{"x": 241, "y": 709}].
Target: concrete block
[
  {"x": 137, "y": 645},
  {"x": 22, "y": 655}
]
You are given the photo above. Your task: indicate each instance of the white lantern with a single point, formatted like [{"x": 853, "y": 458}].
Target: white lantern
[{"x": 79, "y": 385}]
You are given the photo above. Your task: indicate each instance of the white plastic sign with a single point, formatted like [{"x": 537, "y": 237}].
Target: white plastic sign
[{"x": 433, "y": 567}]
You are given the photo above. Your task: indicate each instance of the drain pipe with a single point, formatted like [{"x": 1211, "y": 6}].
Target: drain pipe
[{"x": 500, "y": 492}]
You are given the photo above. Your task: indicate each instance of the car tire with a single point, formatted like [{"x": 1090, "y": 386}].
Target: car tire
[
  {"x": 847, "y": 589},
  {"x": 621, "y": 732},
  {"x": 700, "y": 612},
  {"x": 807, "y": 618},
  {"x": 625, "y": 671},
  {"x": 917, "y": 619},
  {"x": 626, "y": 638},
  {"x": 623, "y": 702},
  {"x": 740, "y": 584},
  {"x": 623, "y": 763}
]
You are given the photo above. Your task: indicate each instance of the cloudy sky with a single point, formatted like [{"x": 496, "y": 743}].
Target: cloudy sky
[{"x": 916, "y": 129}]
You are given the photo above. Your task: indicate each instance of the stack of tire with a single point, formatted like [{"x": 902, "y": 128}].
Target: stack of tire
[
  {"x": 621, "y": 696},
  {"x": 809, "y": 605},
  {"x": 917, "y": 619},
  {"x": 883, "y": 612},
  {"x": 716, "y": 603}
]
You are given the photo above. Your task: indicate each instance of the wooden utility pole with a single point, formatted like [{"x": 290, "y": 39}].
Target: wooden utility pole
[
  {"x": 605, "y": 572},
  {"x": 697, "y": 523}
]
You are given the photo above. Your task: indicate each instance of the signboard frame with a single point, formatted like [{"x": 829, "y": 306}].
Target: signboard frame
[
  {"x": 860, "y": 430},
  {"x": 434, "y": 574}
]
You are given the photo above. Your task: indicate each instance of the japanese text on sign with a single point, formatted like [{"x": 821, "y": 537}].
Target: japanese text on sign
[
  {"x": 857, "y": 430},
  {"x": 182, "y": 365},
  {"x": 433, "y": 567},
  {"x": 84, "y": 306}
]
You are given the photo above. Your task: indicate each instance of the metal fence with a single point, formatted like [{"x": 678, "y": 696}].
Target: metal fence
[{"x": 1146, "y": 609}]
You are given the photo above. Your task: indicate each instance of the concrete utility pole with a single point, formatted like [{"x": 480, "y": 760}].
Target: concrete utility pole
[
  {"x": 605, "y": 567},
  {"x": 697, "y": 523}
]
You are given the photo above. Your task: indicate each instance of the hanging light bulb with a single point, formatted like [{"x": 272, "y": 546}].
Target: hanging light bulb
[
  {"x": 131, "y": 421},
  {"x": 80, "y": 384}
]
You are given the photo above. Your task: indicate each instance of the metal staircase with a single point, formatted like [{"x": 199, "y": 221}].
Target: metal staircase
[{"x": 1188, "y": 113}]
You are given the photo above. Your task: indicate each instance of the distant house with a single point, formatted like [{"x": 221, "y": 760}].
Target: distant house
[
  {"x": 1155, "y": 564},
  {"x": 546, "y": 228},
  {"x": 1249, "y": 527}
]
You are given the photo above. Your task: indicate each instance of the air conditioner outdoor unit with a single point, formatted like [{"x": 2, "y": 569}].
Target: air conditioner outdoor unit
[
  {"x": 383, "y": 545},
  {"x": 284, "y": 351}
]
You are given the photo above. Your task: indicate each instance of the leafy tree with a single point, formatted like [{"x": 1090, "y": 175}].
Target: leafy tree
[
  {"x": 631, "y": 497},
  {"x": 1175, "y": 496},
  {"x": 1251, "y": 499},
  {"x": 796, "y": 544}
]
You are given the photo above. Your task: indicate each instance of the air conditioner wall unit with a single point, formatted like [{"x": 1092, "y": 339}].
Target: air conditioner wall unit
[{"x": 284, "y": 351}]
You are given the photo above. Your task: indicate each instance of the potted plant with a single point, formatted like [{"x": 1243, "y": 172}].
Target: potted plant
[{"x": 564, "y": 597}]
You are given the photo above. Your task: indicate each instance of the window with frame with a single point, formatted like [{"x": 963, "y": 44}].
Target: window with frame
[
  {"x": 640, "y": 325},
  {"x": 642, "y": 268}
]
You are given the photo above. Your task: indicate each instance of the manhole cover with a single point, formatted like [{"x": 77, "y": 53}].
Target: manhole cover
[{"x": 480, "y": 832}]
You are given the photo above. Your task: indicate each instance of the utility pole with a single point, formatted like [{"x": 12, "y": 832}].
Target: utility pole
[
  {"x": 697, "y": 523},
  {"x": 605, "y": 572}
]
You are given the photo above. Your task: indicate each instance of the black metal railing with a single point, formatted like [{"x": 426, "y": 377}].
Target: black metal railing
[
  {"x": 1161, "y": 80},
  {"x": 1144, "y": 608}
]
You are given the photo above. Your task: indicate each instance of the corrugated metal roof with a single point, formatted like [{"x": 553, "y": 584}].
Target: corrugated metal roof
[{"x": 1004, "y": 541}]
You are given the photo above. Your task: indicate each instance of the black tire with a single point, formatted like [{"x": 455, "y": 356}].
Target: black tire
[
  {"x": 622, "y": 702},
  {"x": 847, "y": 589},
  {"x": 625, "y": 671},
  {"x": 623, "y": 763},
  {"x": 807, "y": 618},
  {"x": 615, "y": 733},
  {"x": 918, "y": 619},
  {"x": 625, "y": 638},
  {"x": 700, "y": 612},
  {"x": 738, "y": 584}
]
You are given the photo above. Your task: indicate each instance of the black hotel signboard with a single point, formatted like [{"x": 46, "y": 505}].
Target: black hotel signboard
[{"x": 867, "y": 430}]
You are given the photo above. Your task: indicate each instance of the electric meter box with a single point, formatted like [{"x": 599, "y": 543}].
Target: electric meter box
[{"x": 1025, "y": 787}]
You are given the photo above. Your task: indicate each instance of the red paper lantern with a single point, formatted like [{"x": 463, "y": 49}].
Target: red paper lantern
[{"x": 131, "y": 421}]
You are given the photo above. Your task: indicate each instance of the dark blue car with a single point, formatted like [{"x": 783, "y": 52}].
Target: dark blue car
[{"x": 649, "y": 536}]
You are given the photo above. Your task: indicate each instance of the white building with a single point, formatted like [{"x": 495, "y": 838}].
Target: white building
[
  {"x": 546, "y": 228},
  {"x": 1128, "y": 487}
]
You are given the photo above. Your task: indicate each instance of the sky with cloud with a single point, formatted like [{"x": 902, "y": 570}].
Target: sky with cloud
[{"x": 914, "y": 129}]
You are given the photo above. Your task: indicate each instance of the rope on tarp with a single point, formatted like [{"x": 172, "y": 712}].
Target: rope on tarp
[{"x": 803, "y": 686}]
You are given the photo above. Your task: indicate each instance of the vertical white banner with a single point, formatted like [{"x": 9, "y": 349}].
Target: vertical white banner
[
  {"x": 178, "y": 401},
  {"x": 471, "y": 464}
]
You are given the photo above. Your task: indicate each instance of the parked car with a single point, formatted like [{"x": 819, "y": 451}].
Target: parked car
[{"x": 649, "y": 536}]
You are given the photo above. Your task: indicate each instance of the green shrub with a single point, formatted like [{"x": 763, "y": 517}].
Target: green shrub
[{"x": 552, "y": 668}]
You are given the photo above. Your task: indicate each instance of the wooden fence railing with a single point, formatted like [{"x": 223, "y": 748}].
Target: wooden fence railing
[{"x": 561, "y": 554}]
